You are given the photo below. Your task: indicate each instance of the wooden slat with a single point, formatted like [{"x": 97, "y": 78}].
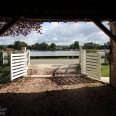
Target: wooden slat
[
  {"x": 16, "y": 67},
  {"x": 22, "y": 54},
  {"x": 90, "y": 57},
  {"x": 92, "y": 54},
  {"x": 16, "y": 64},
  {"x": 18, "y": 73},
  {"x": 91, "y": 63},
  {"x": 88, "y": 74},
  {"x": 90, "y": 66},
  {"x": 91, "y": 60},
  {"x": 17, "y": 76},
  {"x": 18, "y": 57},
  {"x": 92, "y": 72},
  {"x": 18, "y": 70},
  {"x": 16, "y": 61}
]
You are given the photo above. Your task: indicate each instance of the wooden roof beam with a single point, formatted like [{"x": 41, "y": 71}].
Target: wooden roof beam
[
  {"x": 104, "y": 29},
  {"x": 8, "y": 25}
]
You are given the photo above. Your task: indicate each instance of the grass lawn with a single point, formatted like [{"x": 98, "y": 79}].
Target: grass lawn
[
  {"x": 4, "y": 73},
  {"x": 105, "y": 70}
]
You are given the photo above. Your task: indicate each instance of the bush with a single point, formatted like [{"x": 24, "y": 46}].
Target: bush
[
  {"x": 108, "y": 57},
  {"x": 91, "y": 51}
]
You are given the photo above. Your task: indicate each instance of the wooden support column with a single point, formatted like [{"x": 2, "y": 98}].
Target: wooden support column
[
  {"x": 113, "y": 56},
  {"x": 104, "y": 29},
  {"x": 112, "y": 35}
]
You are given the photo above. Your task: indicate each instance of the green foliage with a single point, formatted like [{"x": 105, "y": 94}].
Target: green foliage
[
  {"x": 4, "y": 74},
  {"x": 19, "y": 44},
  {"x": 3, "y": 47},
  {"x": 107, "y": 45},
  {"x": 44, "y": 46},
  {"x": 91, "y": 51},
  {"x": 36, "y": 46},
  {"x": 91, "y": 45},
  {"x": 76, "y": 45},
  {"x": 53, "y": 46},
  {"x": 108, "y": 57}
]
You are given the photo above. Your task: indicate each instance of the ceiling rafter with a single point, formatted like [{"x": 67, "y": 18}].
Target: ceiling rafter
[
  {"x": 104, "y": 29},
  {"x": 8, "y": 25}
]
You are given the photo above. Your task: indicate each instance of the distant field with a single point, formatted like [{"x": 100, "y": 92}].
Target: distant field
[{"x": 105, "y": 70}]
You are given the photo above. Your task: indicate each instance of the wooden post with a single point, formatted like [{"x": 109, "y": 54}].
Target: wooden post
[
  {"x": 113, "y": 56},
  {"x": 81, "y": 61},
  {"x": 99, "y": 66},
  {"x": 80, "y": 52},
  {"x": 23, "y": 49},
  {"x": 29, "y": 57},
  {"x": 105, "y": 56},
  {"x": 11, "y": 66}
]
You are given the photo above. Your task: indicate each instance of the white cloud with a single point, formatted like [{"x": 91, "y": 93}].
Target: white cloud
[
  {"x": 63, "y": 33},
  {"x": 55, "y": 39}
]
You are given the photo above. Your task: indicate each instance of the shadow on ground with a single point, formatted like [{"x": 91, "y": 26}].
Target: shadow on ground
[
  {"x": 86, "y": 101},
  {"x": 70, "y": 80}
]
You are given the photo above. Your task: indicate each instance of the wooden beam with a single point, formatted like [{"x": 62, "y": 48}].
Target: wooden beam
[
  {"x": 8, "y": 25},
  {"x": 104, "y": 29}
]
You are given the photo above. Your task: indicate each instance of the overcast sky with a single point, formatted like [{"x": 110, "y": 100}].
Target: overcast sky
[{"x": 63, "y": 34}]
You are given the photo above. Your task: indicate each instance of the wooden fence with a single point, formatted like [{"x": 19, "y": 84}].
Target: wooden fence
[
  {"x": 91, "y": 64},
  {"x": 19, "y": 64},
  {"x": 5, "y": 57}
]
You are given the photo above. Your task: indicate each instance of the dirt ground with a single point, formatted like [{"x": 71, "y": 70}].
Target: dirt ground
[
  {"x": 58, "y": 96},
  {"x": 52, "y": 69}
]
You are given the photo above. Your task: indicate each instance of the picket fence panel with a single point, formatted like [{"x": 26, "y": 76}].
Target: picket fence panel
[
  {"x": 18, "y": 65},
  {"x": 91, "y": 64}
]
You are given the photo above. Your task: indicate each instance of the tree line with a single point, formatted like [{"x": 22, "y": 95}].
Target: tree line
[
  {"x": 17, "y": 45},
  {"x": 92, "y": 45}
]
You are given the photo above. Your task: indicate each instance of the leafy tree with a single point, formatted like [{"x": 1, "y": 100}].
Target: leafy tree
[
  {"x": 10, "y": 46},
  {"x": 44, "y": 46},
  {"x": 53, "y": 46},
  {"x": 36, "y": 46},
  {"x": 3, "y": 47},
  {"x": 19, "y": 44},
  {"x": 76, "y": 45},
  {"x": 71, "y": 46},
  {"x": 107, "y": 45}
]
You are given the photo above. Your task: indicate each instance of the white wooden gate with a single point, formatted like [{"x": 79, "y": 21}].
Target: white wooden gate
[
  {"x": 91, "y": 64},
  {"x": 19, "y": 64}
]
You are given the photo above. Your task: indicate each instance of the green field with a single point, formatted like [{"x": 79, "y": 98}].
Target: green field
[{"x": 105, "y": 70}]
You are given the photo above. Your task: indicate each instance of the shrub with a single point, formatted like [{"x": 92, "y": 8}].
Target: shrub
[
  {"x": 108, "y": 57},
  {"x": 91, "y": 51}
]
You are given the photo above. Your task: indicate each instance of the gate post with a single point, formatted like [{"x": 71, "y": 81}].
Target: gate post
[
  {"x": 80, "y": 54},
  {"x": 11, "y": 67},
  {"x": 113, "y": 55}
]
